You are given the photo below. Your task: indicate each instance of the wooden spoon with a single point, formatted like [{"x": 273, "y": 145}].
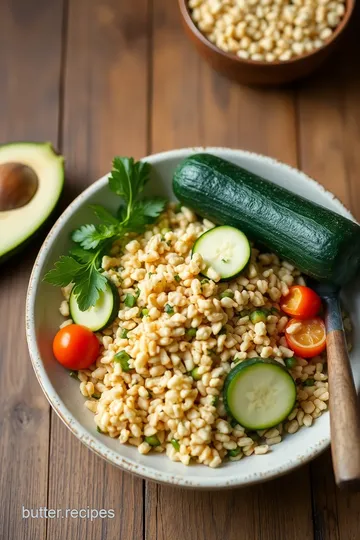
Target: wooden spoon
[{"x": 344, "y": 410}]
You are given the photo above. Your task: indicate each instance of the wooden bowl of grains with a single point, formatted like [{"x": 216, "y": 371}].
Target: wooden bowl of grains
[{"x": 265, "y": 42}]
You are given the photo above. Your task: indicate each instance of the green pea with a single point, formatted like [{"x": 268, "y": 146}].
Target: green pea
[
  {"x": 290, "y": 362},
  {"x": 227, "y": 294},
  {"x": 309, "y": 382},
  {"x": 195, "y": 374},
  {"x": 152, "y": 440},
  {"x": 191, "y": 332},
  {"x": 144, "y": 312},
  {"x": 258, "y": 316}
]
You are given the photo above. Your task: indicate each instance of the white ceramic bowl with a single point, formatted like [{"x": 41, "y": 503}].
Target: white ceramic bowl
[{"x": 43, "y": 319}]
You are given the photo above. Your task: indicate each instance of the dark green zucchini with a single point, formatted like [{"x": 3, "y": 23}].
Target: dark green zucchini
[{"x": 319, "y": 242}]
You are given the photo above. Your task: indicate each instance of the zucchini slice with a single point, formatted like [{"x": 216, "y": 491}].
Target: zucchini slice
[
  {"x": 225, "y": 249},
  {"x": 259, "y": 393},
  {"x": 102, "y": 314}
]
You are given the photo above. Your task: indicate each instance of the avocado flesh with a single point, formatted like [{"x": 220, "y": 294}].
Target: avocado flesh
[{"x": 18, "y": 225}]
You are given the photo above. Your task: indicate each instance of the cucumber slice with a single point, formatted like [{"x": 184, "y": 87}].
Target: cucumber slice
[
  {"x": 259, "y": 393},
  {"x": 225, "y": 249},
  {"x": 102, "y": 314}
]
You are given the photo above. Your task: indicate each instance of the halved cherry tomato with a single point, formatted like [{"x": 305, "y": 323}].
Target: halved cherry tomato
[
  {"x": 309, "y": 340},
  {"x": 301, "y": 302},
  {"x": 75, "y": 347}
]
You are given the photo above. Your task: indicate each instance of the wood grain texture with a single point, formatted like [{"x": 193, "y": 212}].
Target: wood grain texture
[
  {"x": 195, "y": 106},
  {"x": 105, "y": 114},
  {"x": 103, "y": 104},
  {"x": 329, "y": 125},
  {"x": 29, "y": 92},
  {"x": 344, "y": 413}
]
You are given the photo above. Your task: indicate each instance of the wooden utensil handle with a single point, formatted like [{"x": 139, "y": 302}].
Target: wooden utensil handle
[{"x": 344, "y": 413}]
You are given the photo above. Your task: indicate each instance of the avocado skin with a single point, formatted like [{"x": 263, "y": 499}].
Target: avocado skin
[
  {"x": 4, "y": 257},
  {"x": 319, "y": 242}
]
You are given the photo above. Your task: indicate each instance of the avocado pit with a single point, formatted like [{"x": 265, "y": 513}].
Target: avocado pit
[{"x": 18, "y": 185}]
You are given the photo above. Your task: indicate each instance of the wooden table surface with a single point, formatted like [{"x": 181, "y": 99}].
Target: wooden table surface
[{"x": 106, "y": 77}]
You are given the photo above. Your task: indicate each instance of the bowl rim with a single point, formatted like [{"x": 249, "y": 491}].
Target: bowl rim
[
  {"x": 128, "y": 464},
  {"x": 185, "y": 13}
]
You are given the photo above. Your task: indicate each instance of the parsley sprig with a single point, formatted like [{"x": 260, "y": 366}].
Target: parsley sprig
[{"x": 83, "y": 264}]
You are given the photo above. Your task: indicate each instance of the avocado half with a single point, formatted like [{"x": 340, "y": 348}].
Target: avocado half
[{"x": 44, "y": 173}]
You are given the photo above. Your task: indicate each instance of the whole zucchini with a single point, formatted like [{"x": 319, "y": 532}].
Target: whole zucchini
[{"x": 319, "y": 242}]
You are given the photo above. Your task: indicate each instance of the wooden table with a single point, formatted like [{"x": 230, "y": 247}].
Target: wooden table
[{"x": 106, "y": 77}]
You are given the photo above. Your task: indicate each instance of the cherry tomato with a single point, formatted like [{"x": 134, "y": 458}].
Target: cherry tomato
[
  {"x": 301, "y": 302},
  {"x": 75, "y": 347},
  {"x": 309, "y": 340}
]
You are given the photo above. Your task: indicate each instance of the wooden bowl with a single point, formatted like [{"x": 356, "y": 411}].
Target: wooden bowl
[{"x": 257, "y": 72}]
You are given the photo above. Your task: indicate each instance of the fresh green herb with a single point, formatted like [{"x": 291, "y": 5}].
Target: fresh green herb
[
  {"x": 130, "y": 300},
  {"x": 225, "y": 261},
  {"x": 144, "y": 312},
  {"x": 191, "y": 332},
  {"x": 137, "y": 293},
  {"x": 290, "y": 362},
  {"x": 177, "y": 278},
  {"x": 258, "y": 315},
  {"x": 82, "y": 266},
  {"x": 150, "y": 274},
  {"x": 96, "y": 396},
  {"x": 309, "y": 382},
  {"x": 152, "y": 440},
  {"x": 123, "y": 333},
  {"x": 227, "y": 294},
  {"x": 222, "y": 331},
  {"x": 74, "y": 375},
  {"x": 98, "y": 429},
  {"x": 175, "y": 444},
  {"x": 234, "y": 453},
  {"x": 195, "y": 374},
  {"x": 169, "y": 309},
  {"x": 204, "y": 281},
  {"x": 274, "y": 311},
  {"x": 123, "y": 358}
]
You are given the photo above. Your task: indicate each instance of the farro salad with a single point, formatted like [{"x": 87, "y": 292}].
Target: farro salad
[{"x": 187, "y": 339}]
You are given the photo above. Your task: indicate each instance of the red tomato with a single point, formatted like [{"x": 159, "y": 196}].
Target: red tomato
[
  {"x": 301, "y": 302},
  {"x": 309, "y": 340},
  {"x": 75, "y": 347}
]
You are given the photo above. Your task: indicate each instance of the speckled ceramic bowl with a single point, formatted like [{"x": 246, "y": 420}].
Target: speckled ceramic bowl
[{"x": 43, "y": 319}]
